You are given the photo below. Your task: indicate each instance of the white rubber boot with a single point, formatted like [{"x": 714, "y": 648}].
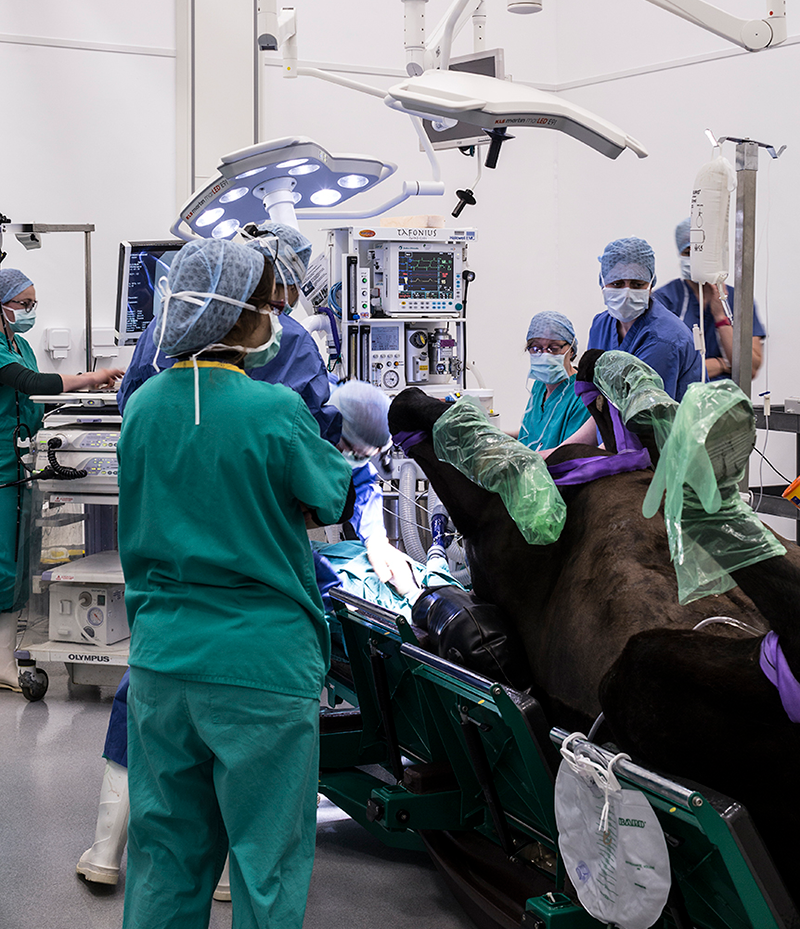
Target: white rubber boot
[
  {"x": 223, "y": 891},
  {"x": 100, "y": 863},
  {"x": 9, "y": 674}
]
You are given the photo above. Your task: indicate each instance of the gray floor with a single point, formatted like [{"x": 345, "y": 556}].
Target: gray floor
[{"x": 50, "y": 773}]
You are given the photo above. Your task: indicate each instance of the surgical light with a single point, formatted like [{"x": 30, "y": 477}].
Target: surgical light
[
  {"x": 325, "y": 197},
  {"x": 225, "y": 228},
  {"x": 284, "y": 172},
  {"x": 304, "y": 169},
  {"x": 236, "y": 194},
  {"x": 353, "y": 181},
  {"x": 210, "y": 216}
]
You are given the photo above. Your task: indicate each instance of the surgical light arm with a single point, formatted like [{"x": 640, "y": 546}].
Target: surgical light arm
[{"x": 752, "y": 34}]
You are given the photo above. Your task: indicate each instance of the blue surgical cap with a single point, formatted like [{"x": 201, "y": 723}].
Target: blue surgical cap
[
  {"x": 365, "y": 414},
  {"x": 682, "y": 234},
  {"x": 210, "y": 266},
  {"x": 552, "y": 325},
  {"x": 289, "y": 249},
  {"x": 627, "y": 259},
  {"x": 12, "y": 283}
]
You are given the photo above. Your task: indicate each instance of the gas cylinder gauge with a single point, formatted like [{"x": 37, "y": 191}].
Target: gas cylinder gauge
[{"x": 391, "y": 379}]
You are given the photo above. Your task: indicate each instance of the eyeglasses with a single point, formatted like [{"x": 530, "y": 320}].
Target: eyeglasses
[
  {"x": 26, "y": 305},
  {"x": 359, "y": 454},
  {"x": 552, "y": 348}
]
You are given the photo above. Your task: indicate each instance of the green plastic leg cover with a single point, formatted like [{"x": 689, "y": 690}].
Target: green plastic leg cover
[{"x": 464, "y": 438}]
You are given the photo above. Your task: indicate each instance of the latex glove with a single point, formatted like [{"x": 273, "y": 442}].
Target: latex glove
[{"x": 391, "y": 565}]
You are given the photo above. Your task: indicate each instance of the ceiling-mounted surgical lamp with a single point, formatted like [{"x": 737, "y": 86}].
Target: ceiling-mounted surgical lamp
[
  {"x": 275, "y": 180},
  {"x": 496, "y": 105}
]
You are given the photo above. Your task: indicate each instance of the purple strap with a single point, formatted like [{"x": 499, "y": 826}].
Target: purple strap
[
  {"x": 774, "y": 665},
  {"x": 407, "y": 440},
  {"x": 631, "y": 454}
]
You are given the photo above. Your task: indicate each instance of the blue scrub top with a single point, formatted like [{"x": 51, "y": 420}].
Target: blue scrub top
[
  {"x": 548, "y": 421},
  {"x": 298, "y": 365},
  {"x": 679, "y": 297},
  {"x": 659, "y": 339}
]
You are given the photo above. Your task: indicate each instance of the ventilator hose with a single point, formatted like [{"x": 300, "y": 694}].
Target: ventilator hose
[{"x": 408, "y": 512}]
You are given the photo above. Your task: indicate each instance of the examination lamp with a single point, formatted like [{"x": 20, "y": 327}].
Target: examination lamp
[
  {"x": 496, "y": 105},
  {"x": 273, "y": 180}
]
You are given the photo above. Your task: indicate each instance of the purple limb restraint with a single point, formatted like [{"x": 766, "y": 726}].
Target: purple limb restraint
[
  {"x": 631, "y": 454},
  {"x": 774, "y": 665}
]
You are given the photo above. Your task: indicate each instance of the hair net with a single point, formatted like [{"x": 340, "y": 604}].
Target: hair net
[
  {"x": 289, "y": 249},
  {"x": 12, "y": 283},
  {"x": 682, "y": 234},
  {"x": 552, "y": 325},
  {"x": 365, "y": 412},
  {"x": 213, "y": 266},
  {"x": 627, "y": 259}
]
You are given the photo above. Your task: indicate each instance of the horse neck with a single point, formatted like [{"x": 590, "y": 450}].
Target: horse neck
[{"x": 772, "y": 585}]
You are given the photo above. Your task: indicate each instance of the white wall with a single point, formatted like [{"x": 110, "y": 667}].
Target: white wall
[{"x": 89, "y": 137}]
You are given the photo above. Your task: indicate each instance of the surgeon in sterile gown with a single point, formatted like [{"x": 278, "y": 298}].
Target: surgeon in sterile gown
[{"x": 229, "y": 645}]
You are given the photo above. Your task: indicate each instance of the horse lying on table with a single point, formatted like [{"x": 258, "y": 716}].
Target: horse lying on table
[{"x": 598, "y": 613}]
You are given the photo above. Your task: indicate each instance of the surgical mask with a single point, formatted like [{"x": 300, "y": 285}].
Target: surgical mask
[
  {"x": 263, "y": 354},
  {"x": 549, "y": 369},
  {"x": 625, "y": 303},
  {"x": 355, "y": 461},
  {"x": 23, "y": 320},
  {"x": 686, "y": 267}
]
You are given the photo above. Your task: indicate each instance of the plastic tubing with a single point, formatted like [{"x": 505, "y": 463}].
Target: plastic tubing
[{"x": 408, "y": 515}]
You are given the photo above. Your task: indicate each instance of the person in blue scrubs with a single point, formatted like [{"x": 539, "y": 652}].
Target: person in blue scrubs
[
  {"x": 554, "y": 411},
  {"x": 681, "y": 296},
  {"x": 636, "y": 321},
  {"x": 298, "y": 363}
]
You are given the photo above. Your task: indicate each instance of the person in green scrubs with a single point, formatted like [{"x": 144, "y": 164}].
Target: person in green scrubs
[
  {"x": 218, "y": 474},
  {"x": 554, "y": 412},
  {"x": 21, "y": 417}
]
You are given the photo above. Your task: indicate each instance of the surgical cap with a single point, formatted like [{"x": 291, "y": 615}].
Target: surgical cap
[
  {"x": 210, "y": 266},
  {"x": 12, "y": 282},
  {"x": 552, "y": 325},
  {"x": 627, "y": 259},
  {"x": 682, "y": 234},
  {"x": 292, "y": 248},
  {"x": 365, "y": 414}
]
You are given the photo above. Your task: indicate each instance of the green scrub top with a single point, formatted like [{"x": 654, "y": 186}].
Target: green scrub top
[
  {"x": 219, "y": 579},
  {"x": 30, "y": 413},
  {"x": 14, "y": 501},
  {"x": 548, "y": 421}
]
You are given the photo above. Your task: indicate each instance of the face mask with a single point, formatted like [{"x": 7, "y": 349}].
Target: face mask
[
  {"x": 626, "y": 304},
  {"x": 686, "y": 267},
  {"x": 549, "y": 369},
  {"x": 263, "y": 354},
  {"x": 354, "y": 460},
  {"x": 23, "y": 320}
]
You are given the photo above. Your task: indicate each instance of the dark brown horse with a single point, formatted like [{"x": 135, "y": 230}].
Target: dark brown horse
[{"x": 599, "y": 616}]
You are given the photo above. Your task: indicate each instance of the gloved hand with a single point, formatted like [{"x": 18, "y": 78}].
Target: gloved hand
[{"x": 390, "y": 565}]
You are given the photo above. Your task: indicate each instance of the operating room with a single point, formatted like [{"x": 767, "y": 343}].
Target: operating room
[{"x": 116, "y": 114}]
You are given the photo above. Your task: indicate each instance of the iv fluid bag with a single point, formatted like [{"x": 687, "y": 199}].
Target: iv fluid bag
[{"x": 711, "y": 198}]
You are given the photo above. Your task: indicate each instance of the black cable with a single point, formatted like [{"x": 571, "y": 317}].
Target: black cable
[{"x": 788, "y": 480}]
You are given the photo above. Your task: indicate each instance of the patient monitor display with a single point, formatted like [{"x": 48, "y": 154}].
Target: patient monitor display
[
  {"x": 141, "y": 265},
  {"x": 423, "y": 278}
]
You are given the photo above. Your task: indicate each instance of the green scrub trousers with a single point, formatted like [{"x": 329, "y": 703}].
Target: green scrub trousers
[{"x": 218, "y": 764}]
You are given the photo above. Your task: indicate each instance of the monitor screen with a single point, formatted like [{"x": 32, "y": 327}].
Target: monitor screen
[
  {"x": 141, "y": 265},
  {"x": 425, "y": 275}
]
